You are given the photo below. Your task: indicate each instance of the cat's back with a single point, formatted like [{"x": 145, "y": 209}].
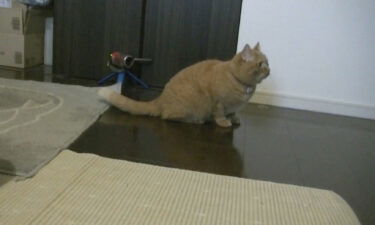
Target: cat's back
[
  {"x": 193, "y": 80},
  {"x": 202, "y": 67},
  {"x": 200, "y": 70}
]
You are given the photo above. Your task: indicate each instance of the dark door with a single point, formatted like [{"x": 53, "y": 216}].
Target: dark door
[
  {"x": 174, "y": 33},
  {"x": 86, "y": 31},
  {"x": 180, "y": 33}
]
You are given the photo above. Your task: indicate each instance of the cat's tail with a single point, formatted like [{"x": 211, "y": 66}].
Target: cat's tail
[{"x": 129, "y": 105}]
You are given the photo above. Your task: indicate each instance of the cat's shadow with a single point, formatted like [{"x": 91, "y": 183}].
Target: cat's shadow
[{"x": 206, "y": 148}]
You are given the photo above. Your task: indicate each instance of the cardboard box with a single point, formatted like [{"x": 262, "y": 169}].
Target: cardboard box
[
  {"x": 40, "y": 73},
  {"x": 20, "y": 20},
  {"x": 21, "y": 51},
  {"x": 21, "y": 34}
]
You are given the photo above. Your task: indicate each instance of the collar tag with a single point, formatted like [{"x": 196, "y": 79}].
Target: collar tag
[{"x": 249, "y": 90}]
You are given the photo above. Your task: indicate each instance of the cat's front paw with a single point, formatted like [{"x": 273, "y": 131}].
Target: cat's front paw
[{"x": 223, "y": 122}]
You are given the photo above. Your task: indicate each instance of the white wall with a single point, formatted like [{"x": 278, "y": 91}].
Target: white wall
[{"x": 321, "y": 53}]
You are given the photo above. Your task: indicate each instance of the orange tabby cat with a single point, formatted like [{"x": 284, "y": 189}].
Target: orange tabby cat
[{"x": 206, "y": 91}]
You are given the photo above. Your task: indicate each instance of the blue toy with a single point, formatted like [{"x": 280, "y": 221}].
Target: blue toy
[{"x": 120, "y": 65}]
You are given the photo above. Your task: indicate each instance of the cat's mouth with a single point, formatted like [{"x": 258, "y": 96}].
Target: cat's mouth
[{"x": 260, "y": 78}]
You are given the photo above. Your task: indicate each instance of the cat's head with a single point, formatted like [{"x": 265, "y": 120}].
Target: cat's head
[{"x": 250, "y": 66}]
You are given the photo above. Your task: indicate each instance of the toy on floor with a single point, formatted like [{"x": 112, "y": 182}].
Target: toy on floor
[{"x": 120, "y": 64}]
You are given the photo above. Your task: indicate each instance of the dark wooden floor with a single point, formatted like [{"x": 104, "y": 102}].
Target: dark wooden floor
[{"x": 273, "y": 144}]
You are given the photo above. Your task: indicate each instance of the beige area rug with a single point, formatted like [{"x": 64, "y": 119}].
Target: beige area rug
[
  {"x": 87, "y": 189},
  {"x": 37, "y": 120}
]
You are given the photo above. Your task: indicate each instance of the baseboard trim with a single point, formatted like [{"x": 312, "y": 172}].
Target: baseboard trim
[{"x": 314, "y": 104}]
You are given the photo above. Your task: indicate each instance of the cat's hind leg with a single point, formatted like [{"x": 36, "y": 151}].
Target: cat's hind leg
[{"x": 181, "y": 117}]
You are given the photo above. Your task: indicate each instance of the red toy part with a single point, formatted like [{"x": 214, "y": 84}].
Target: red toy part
[{"x": 117, "y": 59}]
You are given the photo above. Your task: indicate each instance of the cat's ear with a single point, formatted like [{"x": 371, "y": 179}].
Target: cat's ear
[
  {"x": 247, "y": 53},
  {"x": 257, "y": 46}
]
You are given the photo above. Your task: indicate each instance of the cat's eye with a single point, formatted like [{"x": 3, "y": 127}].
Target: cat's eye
[{"x": 260, "y": 64}]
